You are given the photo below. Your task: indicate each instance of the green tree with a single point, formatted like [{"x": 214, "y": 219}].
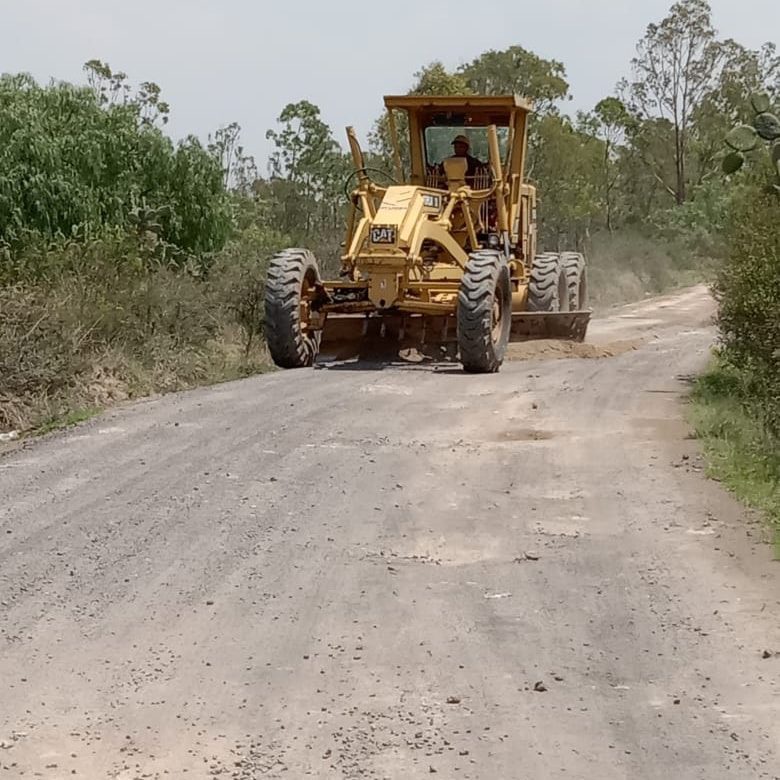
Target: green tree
[
  {"x": 518, "y": 71},
  {"x": 567, "y": 164},
  {"x": 647, "y": 169},
  {"x": 677, "y": 64},
  {"x": 608, "y": 122},
  {"x": 435, "y": 79},
  {"x": 308, "y": 169},
  {"x": 238, "y": 167},
  {"x": 75, "y": 161}
]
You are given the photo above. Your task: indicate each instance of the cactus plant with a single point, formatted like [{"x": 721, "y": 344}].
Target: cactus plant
[
  {"x": 744, "y": 138},
  {"x": 768, "y": 126},
  {"x": 761, "y": 102},
  {"x": 733, "y": 162}
]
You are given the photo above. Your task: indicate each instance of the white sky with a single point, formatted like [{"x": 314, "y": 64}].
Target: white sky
[{"x": 243, "y": 60}]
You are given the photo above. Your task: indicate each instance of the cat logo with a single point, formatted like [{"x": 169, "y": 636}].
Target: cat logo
[{"x": 382, "y": 235}]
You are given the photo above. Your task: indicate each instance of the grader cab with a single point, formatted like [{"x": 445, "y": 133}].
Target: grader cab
[{"x": 443, "y": 260}]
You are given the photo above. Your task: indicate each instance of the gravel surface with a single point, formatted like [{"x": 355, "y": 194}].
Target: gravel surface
[{"x": 394, "y": 572}]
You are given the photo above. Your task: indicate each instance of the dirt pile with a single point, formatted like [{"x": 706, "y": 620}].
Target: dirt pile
[{"x": 552, "y": 349}]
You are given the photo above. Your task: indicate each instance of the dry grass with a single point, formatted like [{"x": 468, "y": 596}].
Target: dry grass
[
  {"x": 98, "y": 324},
  {"x": 739, "y": 451}
]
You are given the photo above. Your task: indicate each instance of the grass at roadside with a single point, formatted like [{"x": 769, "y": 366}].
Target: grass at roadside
[
  {"x": 84, "y": 326},
  {"x": 67, "y": 420},
  {"x": 738, "y": 451},
  {"x": 115, "y": 379}
]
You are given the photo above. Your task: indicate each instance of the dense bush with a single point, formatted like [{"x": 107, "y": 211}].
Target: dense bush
[
  {"x": 748, "y": 290},
  {"x": 75, "y": 160}
]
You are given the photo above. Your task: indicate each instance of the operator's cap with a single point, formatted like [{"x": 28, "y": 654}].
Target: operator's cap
[{"x": 461, "y": 139}]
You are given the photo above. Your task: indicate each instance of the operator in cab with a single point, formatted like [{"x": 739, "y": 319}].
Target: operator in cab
[{"x": 461, "y": 145}]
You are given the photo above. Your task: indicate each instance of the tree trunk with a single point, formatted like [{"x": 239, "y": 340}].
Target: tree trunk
[
  {"x": 679, "y": 155},
  {"x": 608, "y": 188}
]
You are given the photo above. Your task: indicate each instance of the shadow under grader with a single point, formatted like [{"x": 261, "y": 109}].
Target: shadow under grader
[
  {"x": 374, "y": 352},
  {"x": 395, "y": 364}
]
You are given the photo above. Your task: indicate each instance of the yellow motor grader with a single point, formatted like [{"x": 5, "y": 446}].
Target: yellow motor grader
[{"x": 443, "y": 261}]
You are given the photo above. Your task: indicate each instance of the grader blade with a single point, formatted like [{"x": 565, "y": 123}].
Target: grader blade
[
  {"x": 570, "y": 325},
  {"x": 387, "y": 337}
]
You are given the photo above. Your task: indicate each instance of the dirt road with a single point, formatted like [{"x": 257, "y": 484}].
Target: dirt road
[{"x": 394, "y": 573}]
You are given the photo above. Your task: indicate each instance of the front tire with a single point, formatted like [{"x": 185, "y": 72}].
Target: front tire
[
  {"x": 484, "y": 312},
  {"x": 293, "y": 277}
]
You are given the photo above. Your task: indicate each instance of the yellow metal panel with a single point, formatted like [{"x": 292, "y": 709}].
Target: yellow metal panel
[
  {"x": 520, "y": 299},
  {"x": 395, "y": 205},
  {"x": 519, "y": 144},
  {"x": 399, "y": 169},
  {"x": 416, "y": 150},
  {"x": 437, "y": 232},
  {"x": 383, "y": 288}
]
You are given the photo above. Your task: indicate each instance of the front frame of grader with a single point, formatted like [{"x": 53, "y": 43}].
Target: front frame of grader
[{"x": 410, "y": 246}]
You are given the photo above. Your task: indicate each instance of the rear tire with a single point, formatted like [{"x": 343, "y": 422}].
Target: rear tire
[
  {"x": 547, "y": 286},
  {"x": 577, "y": 280},
  {"x": 484, "y": 312},
  {"x": 292, "y": 278}
]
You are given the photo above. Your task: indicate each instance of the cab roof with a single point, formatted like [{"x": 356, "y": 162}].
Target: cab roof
[{"x": 455, "y": 103}]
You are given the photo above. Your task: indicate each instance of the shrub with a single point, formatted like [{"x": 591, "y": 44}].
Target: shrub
[{"x": 748, "y": 291}]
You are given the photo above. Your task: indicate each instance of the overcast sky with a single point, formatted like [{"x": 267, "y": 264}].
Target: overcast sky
[{"x": 243, "y": 60}]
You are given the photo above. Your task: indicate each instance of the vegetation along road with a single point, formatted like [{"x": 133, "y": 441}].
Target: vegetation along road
[{"x": 393, "y": 572}]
